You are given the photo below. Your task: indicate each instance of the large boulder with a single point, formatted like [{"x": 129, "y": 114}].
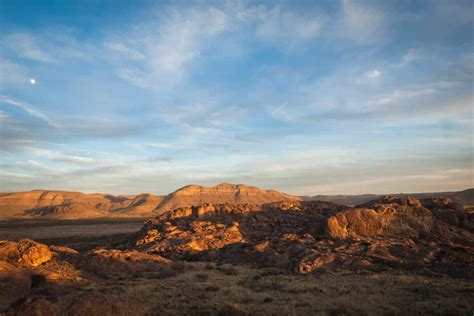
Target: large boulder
[{"x": 26, "y": 252}]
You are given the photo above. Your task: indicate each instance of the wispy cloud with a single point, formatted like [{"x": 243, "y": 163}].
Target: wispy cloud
[
  {"x": 279, "y": 23},
  {"x": 27, "y": 47},
  {"x": 167, "y": 47},
  {"x": 61, "y": 157},
  {"x": 410, "y": 56},
  {"x": 12, "y": 74},
  {"x": 361, "y": 22},
  {"x": 31, "y": 110}
]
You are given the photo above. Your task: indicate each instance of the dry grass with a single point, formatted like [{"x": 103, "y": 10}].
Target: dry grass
[{"x": 205, "y": 289}]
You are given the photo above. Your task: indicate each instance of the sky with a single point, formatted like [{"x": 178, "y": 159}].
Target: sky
[{"x": 306, "y": 97}]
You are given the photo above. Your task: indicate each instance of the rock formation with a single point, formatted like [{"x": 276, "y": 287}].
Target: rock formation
[
  {"x": 317, "y": 236},
  {"x": 27, "y": 253}
]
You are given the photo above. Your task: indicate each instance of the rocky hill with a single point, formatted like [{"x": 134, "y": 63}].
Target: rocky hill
[
  {"x": 465, "y": 197},
  {"x": 222, "y": 193},
  {"x": 305, "y": 237},
  {"x": 76, "y": 205}
]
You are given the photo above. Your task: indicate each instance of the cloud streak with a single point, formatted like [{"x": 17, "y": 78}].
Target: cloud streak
[{"x": 29, "y": 109}]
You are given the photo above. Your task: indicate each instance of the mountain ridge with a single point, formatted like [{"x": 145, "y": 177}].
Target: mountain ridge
[
  {"x": 57, "y": 204},
  {"x": 464, "y": 197},
  {"x": 77, "y": 205}
]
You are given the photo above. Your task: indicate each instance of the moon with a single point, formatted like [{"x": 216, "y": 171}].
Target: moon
[{"x": 32, "y": 81}]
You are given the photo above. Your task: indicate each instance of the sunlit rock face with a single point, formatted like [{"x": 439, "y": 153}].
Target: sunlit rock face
[
  {"x": 317, "y": 236},
  {"x": 27, "y": 253},
  {"x": 398, "y": 217}
]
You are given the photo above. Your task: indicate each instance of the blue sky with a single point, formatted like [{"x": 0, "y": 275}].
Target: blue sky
[{"x": 307, "y": 97}]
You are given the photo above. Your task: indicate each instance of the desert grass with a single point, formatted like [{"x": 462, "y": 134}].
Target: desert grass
[{"x": 200, "y": 288}]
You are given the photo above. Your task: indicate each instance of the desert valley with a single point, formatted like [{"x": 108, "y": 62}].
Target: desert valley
[{"x": 235, "y": 250}]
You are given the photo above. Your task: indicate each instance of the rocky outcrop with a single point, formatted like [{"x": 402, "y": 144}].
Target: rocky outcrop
[
  {"x": 397, "y": 217},
  {"x": 318, "y": 236},
  {"x": 39, "y": 280},
  {"x": 26, "y": 252}
]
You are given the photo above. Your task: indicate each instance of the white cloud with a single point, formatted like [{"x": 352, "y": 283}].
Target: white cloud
[
  {"x": 29, "y": 109},
  {"x": 399, "y": 95},
  {"x": 12, "y": 74},
  {"x": 361, "y": 23},
  {"x": 373, "y": 74},
  {"x": 27, "y": 47},
  {"x": 126, "y": 51},
  {"x": 6, "y": 174},
  {"x": 280, "y": 23},
  {"x": 410, "y": 56},
  {"x": 164, "y": 50},
  {"x": 61, "y": 157}
]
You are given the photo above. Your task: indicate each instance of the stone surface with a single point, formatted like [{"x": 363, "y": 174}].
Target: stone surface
[
  {"x": 318, "y": 236},
  {"x": 25, "y": 252}
]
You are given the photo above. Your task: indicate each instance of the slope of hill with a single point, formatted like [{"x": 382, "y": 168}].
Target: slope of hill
[
  {"x": 466, "y": 197},
  {"x": 222, "y": 193},
  {"x": 76, "y": 205}
]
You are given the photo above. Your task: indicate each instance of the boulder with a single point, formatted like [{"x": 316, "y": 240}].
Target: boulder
[{"x": 26, "y": 252}]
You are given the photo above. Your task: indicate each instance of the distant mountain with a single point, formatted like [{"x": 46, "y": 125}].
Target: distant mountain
[
  {"x": 76, "y": 205},
  {"x": 465, "y": 197},
  {"x": 222, "y": 193}
]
